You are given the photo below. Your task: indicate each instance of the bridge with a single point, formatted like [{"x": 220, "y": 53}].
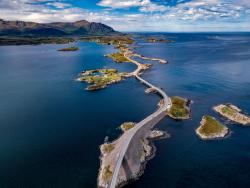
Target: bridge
[{"x": 153, "y": 119}]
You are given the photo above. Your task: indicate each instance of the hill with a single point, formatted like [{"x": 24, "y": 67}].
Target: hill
[{"x": 78, "y": 28}]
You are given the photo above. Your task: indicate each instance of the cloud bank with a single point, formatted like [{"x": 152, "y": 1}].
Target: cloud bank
[{"x": 137, "y": 15}]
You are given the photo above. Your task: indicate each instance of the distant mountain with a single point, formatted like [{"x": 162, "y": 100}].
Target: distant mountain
[{"x": 79, "y": 28}]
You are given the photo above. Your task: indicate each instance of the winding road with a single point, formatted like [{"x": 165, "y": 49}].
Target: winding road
[{"x": 153, "y": 118}]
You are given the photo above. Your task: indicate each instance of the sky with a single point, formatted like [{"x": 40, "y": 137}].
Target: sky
[{"x": 136, "y": 15}]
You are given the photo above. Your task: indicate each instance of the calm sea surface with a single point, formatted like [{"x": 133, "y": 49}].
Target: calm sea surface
[{"x": 51, "y": 128}]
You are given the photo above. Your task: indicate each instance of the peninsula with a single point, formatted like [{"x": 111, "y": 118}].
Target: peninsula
[
  {"x": 232, "y": 113},
  {"x": 210, "y": 128}
]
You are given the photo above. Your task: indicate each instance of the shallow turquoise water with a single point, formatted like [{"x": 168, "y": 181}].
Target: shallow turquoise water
[{"x": 51, "y": 128}]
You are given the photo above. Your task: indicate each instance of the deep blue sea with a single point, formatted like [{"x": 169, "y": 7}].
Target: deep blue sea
[{"x": 51, "y": 128}]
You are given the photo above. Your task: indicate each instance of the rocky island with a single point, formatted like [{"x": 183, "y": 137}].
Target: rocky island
[
  {"x": 118, "y": 41},
  {"x": 180, "y": 108},
  {"x": 118, "y": 57},
  {"x": 73, "y": 48},
  {"x": 100, "y": 78},
  {"x": 210, "y": 128},
  {"x": 233, "y": 113},
  {"x": 158, "y": 40}
]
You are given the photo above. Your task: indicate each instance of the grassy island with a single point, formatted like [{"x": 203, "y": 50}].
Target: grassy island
[
  {"x": 101, "y": 78},
  {"x": 233, "y": 113},
  {"x": 210, "y": 128},
  {"x": 127, "y": 125},
  {"x": 73, "y": 48},
  {"x": 118, "y": 57},
  {"x": 110, "y": 40},
  {"x": 179, "y": 109}
]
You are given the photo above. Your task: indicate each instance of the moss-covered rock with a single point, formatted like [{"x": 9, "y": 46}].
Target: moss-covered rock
[
  {"x": 210, "y": 128},
  {"x": 127, "y": 125},
  {"x": 179, "y": 108},
  {"x": 118, "y": 57},
  {"x": 107, "y": 148},
  {"x": 107, "y": 173},
  {"x": 233, "y": 113}
]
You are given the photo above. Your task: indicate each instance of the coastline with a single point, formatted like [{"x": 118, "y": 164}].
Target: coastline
[{"x": 227, "y": 135}]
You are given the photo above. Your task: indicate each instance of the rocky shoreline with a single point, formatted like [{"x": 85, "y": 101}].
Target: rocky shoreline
[
  {"x": 232, "y": 113},
  {"x": 151, "y": 155},
  {"x": 148, "y": 153}
]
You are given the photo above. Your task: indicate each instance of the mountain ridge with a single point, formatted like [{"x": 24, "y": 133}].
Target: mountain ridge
[{"x": 77, "y": 28}]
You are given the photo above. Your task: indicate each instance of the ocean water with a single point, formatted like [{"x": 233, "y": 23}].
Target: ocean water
[{"x": 51, "y": 128}]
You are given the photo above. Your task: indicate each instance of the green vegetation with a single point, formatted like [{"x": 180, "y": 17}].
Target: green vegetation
[
  {"x": 73, "y": 48},
  {"x": 107, "y": 173},
  {"x": 34, "y": 40},
  {"x": 179, "y": 109},
  {"x": 77, "y": 28},
  {"x": 210, "y": 126},
  {"x": 117, "y": 41},
  {"x": 229, "y": 111},
  {"x": 127, "y": 125},
  {"x": 108, "y": 71},
  {"x": 107, "y": 148},
  {"x": 110, "y": 40},
  {"x": 118, "y": 57},
  {"x": 100, "y": 78},
  {"x": 233, "y": 113}
]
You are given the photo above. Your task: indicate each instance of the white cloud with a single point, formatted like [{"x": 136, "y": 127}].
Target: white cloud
[
  {"x": 59, "y": 5},
  {"x": 152, "y": 7},
  {"x": 123, "y": 3},
  {"x": 145, "y": 5}
]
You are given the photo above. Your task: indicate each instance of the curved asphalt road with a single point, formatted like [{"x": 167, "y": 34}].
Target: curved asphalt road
[{"x": 167, "y": 105}]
